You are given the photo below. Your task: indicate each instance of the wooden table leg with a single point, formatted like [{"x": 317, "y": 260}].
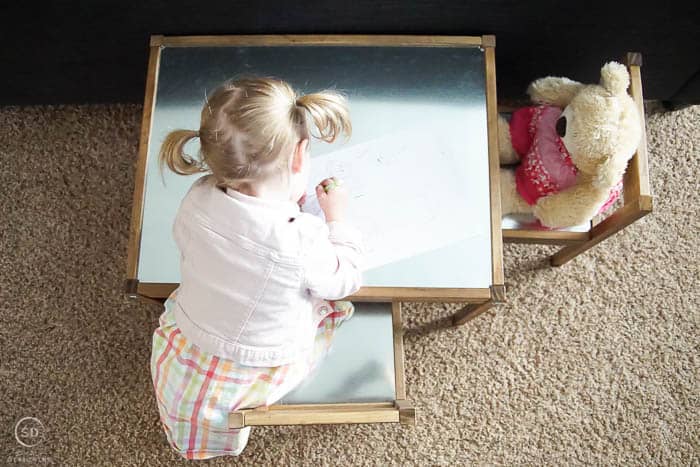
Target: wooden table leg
[{"x": 470, "y": 312}]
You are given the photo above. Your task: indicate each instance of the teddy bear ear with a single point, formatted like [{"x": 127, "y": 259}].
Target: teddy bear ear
[{"x": 614, "y": 78}]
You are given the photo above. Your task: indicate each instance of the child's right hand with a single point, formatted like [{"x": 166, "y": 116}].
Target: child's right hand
[{"x": 334, "y": 202}]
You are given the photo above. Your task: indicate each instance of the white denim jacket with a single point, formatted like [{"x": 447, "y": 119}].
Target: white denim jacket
[{"x": 252, "y": 271}]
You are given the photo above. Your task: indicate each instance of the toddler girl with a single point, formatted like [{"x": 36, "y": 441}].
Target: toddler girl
[{"x": 254, "y": 312}]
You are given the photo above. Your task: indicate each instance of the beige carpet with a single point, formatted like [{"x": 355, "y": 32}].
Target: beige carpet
[{"x": 592, "y": 363}]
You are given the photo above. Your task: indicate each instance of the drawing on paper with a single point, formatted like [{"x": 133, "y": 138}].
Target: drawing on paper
[{"x": 407, "y": 195}]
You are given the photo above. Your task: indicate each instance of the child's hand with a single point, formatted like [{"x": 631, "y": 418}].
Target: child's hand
[{"x": 333, "y": 199}]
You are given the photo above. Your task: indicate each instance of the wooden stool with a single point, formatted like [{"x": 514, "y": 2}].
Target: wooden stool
[
  {"x": 636, "y": 192},
  {"x": 361, "y": 380}
]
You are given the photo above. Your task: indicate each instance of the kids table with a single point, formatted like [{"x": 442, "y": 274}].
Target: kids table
[{"x": 438, "y": 92}]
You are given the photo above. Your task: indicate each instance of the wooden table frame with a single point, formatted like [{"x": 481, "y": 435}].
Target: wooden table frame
[
  {"x": 479, "y": 299},
  {"x": 399, "y": 411},
  {"x": 638, "y": 201}
]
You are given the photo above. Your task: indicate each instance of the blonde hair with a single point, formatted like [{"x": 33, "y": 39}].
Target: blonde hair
[{"x": 249, "y": 127}]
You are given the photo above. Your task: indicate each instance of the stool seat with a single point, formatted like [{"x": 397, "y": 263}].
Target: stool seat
[
  {"x": 360, "y": 380},
  {"x": 360, "y": 364},
  {"x": 530, "y": 222}
]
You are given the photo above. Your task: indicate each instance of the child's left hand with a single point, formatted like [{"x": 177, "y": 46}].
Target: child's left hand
[{"x": 302, "y": 200}]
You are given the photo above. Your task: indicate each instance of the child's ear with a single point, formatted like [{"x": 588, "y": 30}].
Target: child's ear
[{"x": 299, "y": 153}]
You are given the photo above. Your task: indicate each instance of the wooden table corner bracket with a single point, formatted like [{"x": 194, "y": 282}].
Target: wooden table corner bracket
[
  {"x": 131, "y": 288},
  {"x": 407, "y": 412},
  {"x": 498, "y": 294}
]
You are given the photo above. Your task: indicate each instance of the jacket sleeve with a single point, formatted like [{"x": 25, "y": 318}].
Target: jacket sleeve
[{"x": 333, "y": 262}]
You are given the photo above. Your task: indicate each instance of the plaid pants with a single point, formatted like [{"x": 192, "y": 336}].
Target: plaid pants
[{"x": 196, "y": 391}]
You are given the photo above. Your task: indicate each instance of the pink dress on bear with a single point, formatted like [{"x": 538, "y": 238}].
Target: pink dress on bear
[{"x": 546, "y": 165}]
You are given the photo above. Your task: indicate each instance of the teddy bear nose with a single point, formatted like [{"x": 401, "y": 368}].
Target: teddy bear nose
[{"x": 561, "y": 127}]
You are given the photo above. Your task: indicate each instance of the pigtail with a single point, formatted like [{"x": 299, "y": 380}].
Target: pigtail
[
  {"x": 172, "y": 153},
  {"x": 329, "y": 111},
  {"x": 249, "y": 127}
]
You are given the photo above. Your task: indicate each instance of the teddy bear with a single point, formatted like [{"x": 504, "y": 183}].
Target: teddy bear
[{"x": 571, "y": 148}]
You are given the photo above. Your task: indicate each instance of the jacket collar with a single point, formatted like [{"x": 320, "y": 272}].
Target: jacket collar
[{"x": 287, "y": 208}]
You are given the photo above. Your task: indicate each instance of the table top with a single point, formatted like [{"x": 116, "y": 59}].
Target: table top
[{"x": 391, "y": 90}]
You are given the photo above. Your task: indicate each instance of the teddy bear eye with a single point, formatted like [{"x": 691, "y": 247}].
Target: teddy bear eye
[{"x": 561, "y": 126}]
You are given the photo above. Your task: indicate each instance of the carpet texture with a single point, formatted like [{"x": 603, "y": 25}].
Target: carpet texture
[{"x": 595, "y": 362}]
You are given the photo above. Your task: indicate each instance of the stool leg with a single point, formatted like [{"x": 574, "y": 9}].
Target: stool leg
[
  {"x": 617, "y": 221},
  {"x": 568, "y": 253}
]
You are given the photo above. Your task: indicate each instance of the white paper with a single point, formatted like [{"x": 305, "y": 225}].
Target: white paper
[{"x": 406, "y": 196}]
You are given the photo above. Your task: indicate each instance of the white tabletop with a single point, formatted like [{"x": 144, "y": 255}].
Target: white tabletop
[{"x": 391, "y": 90}]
